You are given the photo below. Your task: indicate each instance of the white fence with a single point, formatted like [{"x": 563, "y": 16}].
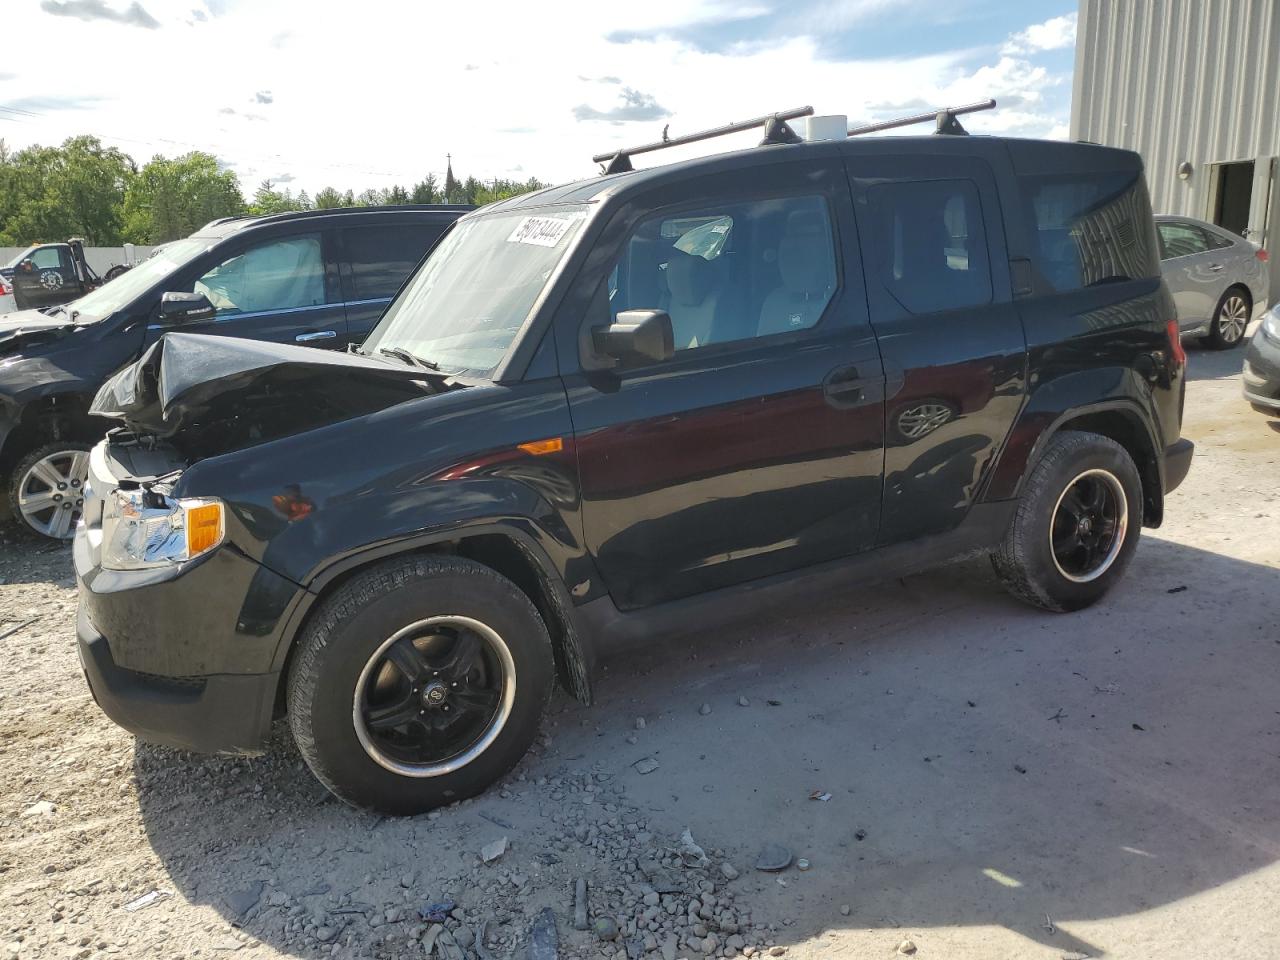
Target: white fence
[{"x": 101, "y": 259}]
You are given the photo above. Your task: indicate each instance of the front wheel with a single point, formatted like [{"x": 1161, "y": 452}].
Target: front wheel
[
  {"x": 1076, "y": 526},
  {"x": 46, "y": 489},
  {"x": 419, "y": 683}
]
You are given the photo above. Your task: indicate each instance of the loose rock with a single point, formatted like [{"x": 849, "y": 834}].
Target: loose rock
[
  {"x": 906, "y": 948},
  {"x": 647, "y": 765},
  {"x": 492, "y": 851},
  {"x": 773, "y": 858}
]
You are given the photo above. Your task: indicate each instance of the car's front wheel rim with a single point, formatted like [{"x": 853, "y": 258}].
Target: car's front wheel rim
[
  {"x": 1233, "y": 319},
  {"x": 51, "y": 493},
  {"x": 434, "y": 696},
  {"x": 1089, "y": 524}
]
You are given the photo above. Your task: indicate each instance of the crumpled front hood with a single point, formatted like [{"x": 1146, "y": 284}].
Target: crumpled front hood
[
  {"x": 215, "y": 394},
  {"x": 25, "y": 324}
]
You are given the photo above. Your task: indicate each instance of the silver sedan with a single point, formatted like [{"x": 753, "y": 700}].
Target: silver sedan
[{"x": 1218, "y": 280}]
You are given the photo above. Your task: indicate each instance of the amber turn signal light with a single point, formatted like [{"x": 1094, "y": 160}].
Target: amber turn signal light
[
  {"x": 539, "y": 447},
  {"x": 204, "y": 528}
]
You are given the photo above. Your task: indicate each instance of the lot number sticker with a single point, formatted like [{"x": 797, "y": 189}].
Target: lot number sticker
[{"x": 540, "y": 231}]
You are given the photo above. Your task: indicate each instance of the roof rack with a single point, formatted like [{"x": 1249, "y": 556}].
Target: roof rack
[
  {"x": 776, "y": 131},
  {"x": 947, "y": 124}
]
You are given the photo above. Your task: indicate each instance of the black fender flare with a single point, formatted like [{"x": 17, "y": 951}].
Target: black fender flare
[{"x": 574, "y": 658}]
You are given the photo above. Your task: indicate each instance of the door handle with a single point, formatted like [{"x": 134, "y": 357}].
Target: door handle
[
  {"x": 315, "y": 335},
  {"x": 844, "y": 388},
  {"x": 1215, "y": 267}
]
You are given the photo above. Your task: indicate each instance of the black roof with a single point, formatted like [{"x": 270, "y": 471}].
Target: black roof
[
  {"x": 229, "y": 225},
  {"x": 1025, "y": 153}
]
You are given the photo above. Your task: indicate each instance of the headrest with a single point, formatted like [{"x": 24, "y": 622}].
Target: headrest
[
  {"x": 688, "y": 278},
  {"x": 804, "y": 253}
]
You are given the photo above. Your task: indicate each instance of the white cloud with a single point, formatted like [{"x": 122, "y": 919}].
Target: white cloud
[
  {"x": 1054, "y": 34},
  {"x": 383, "y": 98}
]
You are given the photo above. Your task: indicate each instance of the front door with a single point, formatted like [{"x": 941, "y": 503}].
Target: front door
[
  {"x": 757, "y": 448},
  {"x": 46, "y": 278},
  {"x": 952, "y": 341},
  {"x": 284, "y": 288}
]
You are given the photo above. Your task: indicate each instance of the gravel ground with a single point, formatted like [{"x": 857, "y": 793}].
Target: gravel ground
[{"x": 966, "y": 777}]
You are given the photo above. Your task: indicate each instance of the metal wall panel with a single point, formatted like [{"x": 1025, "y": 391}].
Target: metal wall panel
[{"x": 1183, "y": 80}]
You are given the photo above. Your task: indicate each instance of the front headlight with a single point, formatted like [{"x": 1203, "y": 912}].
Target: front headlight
[
  {"x": 142, "y": 529},
  {"x": 1271, "y": 324}
]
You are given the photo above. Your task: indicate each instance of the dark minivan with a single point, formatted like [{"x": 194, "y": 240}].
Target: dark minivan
[
  {"x": 320, "y": 278},
  {"x": 623, "y": 409}
]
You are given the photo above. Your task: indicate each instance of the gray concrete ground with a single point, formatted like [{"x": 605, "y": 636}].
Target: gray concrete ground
[{"x": 1003, "y": 783}]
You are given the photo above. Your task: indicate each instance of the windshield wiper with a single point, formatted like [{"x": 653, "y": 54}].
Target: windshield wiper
[{"x": 403, "y": 355}]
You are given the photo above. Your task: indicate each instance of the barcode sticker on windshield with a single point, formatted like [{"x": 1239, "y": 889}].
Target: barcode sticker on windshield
[{"x": 541, "y": 231}]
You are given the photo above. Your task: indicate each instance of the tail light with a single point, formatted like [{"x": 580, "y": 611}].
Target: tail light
[
  {"x": 1176, "y": 349},
  {"x": 5, "y": 289},
  {"x": 1262, "y": 255}
]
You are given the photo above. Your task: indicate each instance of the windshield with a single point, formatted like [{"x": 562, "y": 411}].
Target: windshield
[
  {"x": 110, "y": 297},
  {"x": 464, "y": 306},
  {"x": 19, "y": 258}
]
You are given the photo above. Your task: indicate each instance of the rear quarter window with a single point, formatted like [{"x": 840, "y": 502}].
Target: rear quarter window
[
  {"x": 382, "y": 256},
  {"x": 1091, "y": 229}
]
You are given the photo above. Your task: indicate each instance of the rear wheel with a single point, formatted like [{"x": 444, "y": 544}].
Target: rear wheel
[
  {"x": 419, "y": 683},
  {"x": 1229, "y": 320},
  {"x": 1076, "y": 526},
  {"x": 46, "y": 489}
]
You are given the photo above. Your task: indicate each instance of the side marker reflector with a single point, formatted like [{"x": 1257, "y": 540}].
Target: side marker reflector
[{"x": 539, "y": 447}]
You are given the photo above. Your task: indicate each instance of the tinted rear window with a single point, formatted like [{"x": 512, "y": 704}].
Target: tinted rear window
[
  {"x": 383, "y": 256},
  {"x": 1091, "y": 229}
]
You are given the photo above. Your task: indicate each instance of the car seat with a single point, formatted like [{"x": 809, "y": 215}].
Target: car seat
[{"x": 807, "y": 272}]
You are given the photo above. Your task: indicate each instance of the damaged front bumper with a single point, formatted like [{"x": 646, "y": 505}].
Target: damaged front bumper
[{"x": 185, "y": 655}]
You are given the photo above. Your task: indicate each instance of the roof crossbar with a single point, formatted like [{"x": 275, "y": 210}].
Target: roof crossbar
[
  {"x": 945, "y": 118},
  {"x": 776, "y": 131}
]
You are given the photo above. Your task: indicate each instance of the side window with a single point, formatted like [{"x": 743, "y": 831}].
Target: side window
[
  {"x": 382, "y": 257},
  {"x": 47, "y": 258},
  {"x": 730, "y": 272},
  {"x": 1217, "y": 241},
  {"x": 1181, "y": 239},
  {"x": 930, "y": 244},
  {"x": 277, "y": 275},
  {"x": 1091, "y": 229}
]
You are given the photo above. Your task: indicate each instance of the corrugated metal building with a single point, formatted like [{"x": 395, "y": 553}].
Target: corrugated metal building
[{"x": 1193, "y": 86}]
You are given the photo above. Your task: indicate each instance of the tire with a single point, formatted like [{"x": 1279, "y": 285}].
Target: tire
[
  {"x": 1230, "y": 319},
  {"x": 46, "y": 489},
  {"x": 346, "y": 687},
  {"x": 114, "y": 272},
  {"x": 1075, "y": 467}
]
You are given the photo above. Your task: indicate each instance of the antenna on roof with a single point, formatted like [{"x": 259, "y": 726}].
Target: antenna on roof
[
  {"x": 947, "y": 124},
  {"x": 776, "y": 131}
]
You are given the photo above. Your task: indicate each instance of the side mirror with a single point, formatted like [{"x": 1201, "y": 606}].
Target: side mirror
[
  {"x": 179, "y": 308},
  {"x": 636, "y": 334}
]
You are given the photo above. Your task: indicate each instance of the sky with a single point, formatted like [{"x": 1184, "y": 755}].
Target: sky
[{"x": 309, "y": 94}]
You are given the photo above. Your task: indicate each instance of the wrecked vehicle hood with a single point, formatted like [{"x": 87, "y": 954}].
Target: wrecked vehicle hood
[
  {"x": 210, "y": 395},
  {"x": 25, "y": 324}
]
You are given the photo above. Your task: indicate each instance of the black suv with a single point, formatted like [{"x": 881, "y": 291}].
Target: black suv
[
  {"x": 619, "y": 408},
  {"x": 321, "y": 278}
]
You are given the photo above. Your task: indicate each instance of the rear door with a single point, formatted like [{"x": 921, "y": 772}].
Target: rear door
[
  {"x": 283, "y": 288},
  {"x": 1192, "y": 269},
  {"x": 377, "y": 259},
  {"x": 953, "y": 347},
  {"x": 757, "y": 448}
]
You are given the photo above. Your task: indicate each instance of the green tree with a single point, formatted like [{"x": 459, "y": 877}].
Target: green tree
[
  {"x": 327, "y": 199},
  {"x": 369, "y": 198},
  {"x": 397, "y": 196},
  {"x": 169, "y": 199},
  {"x": 74, "y": 190},
  {"x": 304, "y": 201},
  {"x": 501, "y": 189},
  {"x": 425, "y": 190},
  {"x": 268, "y": 200}
]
